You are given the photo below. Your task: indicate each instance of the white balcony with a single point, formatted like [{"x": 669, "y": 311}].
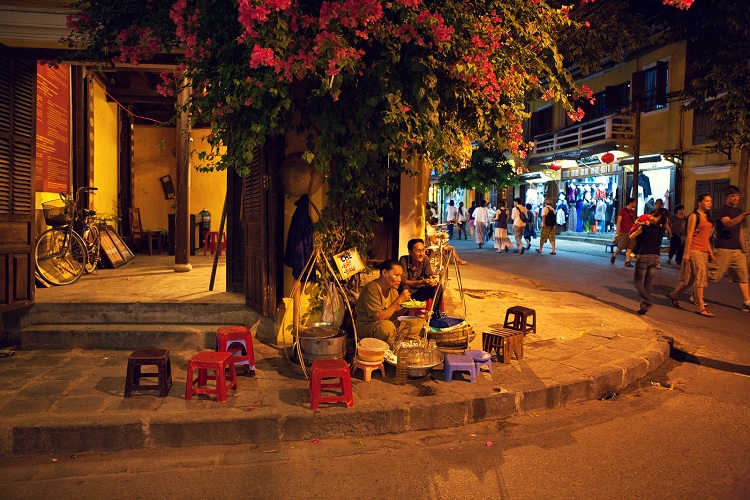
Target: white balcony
[{"x": 613, "y": 128}]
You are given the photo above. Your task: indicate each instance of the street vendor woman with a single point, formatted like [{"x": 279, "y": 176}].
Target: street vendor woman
[
  {"x": 418, "y": 276},
  {"x": 379, "y": 304}
]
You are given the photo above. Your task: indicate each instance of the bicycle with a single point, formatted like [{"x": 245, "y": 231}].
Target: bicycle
[
  {"x": 60, "y": 254},
  {"x": 90, "y": 235}
]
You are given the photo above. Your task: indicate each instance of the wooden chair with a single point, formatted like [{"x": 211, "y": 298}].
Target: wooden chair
[{"x": 138, "y": 234}]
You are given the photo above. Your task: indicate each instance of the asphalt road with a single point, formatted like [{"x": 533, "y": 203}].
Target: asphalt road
[{"x": 681, "y": 433}]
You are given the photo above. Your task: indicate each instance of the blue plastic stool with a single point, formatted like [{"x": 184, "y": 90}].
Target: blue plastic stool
[
  {"x": 481, "y": 358},
  {"x": 459, "y": 363}
]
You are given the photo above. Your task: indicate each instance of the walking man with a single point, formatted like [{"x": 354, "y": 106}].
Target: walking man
[
  {"x": 729, "y": 247},
  {"x": 548, "y": 226},
  {"x": 625, "y": 221},
  {"x": 481, "y": 218},
  {"x": 451, "y": 215}
]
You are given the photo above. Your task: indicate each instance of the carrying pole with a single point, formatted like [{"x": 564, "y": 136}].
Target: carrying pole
[{"x": 218, "y": 244}]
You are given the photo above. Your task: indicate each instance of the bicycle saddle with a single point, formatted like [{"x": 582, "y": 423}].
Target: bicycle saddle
[{"x": 88, "y": 213}]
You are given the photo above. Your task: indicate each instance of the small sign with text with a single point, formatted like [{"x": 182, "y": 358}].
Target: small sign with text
[{"x": 349, "y": 263}]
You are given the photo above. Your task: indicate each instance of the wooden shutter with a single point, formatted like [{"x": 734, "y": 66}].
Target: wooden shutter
[
  {"x": 263, "y": 228},
  {"x": 17, "y": 119}
]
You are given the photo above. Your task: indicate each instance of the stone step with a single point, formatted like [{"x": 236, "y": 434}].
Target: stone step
[
  {"x": 119, "y": 336},
  {"x": 137, "y": 312}
]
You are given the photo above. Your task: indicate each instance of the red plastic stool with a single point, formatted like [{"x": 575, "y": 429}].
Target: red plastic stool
[
  {"x": 330, "y": 368},
  {"x": 210, "y": 240},
  {"x": 239, "y": 341},
  {"x": 427, "y": 308},
  {"x": 520, "y": 320},
  {"x": 210, "y": 360}
]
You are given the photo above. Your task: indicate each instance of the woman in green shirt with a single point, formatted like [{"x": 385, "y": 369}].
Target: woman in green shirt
[{"x": 379, "y": 303}]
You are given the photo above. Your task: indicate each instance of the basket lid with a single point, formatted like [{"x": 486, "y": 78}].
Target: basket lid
[{"x": 373, "y": 344}]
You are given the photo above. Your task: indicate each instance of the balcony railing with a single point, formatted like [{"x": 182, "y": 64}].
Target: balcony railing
[{"x": 615, "y": 127}]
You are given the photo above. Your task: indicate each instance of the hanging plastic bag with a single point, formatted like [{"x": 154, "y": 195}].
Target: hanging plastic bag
[{"x": 333, "y": 307}]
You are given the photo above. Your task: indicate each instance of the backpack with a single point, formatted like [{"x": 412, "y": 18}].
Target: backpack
[
  {"x": 550, "y": 219},
  {"x": 522, "y": 216}
]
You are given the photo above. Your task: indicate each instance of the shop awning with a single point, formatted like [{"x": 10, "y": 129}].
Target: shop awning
[{"x": 573, "y": 154}]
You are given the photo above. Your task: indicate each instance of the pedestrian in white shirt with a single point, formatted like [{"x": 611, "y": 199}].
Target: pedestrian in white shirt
[
  {"x": 451, "y": 216},
  {"x": 481, "y": 218}
]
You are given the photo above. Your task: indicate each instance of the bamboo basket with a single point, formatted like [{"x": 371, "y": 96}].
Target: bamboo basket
[{"x": 458, "y": 338}]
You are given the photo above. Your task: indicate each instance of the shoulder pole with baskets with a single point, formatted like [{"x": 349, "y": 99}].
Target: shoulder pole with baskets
[{"x": 299, "y": 286}]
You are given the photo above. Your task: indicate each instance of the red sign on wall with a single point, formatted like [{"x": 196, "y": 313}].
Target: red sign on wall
[{"x": 53, "y": 129}]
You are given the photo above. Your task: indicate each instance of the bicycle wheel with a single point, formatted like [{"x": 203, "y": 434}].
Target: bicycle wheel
[
  {"x": 60, "y": 256},
  {"x": 93, "y": 244}
]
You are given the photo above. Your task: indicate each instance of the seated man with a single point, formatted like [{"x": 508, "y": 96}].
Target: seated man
[
  {"x": 418, "y": 276},
  {"x": 379, "y": 304}
]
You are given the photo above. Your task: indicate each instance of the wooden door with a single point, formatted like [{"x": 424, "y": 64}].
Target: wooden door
[
  {"x": 263, "y": 224},
  {"x": 17, "y": 129}
]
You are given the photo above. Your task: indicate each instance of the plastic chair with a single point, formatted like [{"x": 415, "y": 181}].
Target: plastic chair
[
  {"x": 218, "y": 362},
  {"x": 149, "y": 357},
  {"x": 211, "y": 240},
  {"x": 520, "y": 320},
  {"x": 367, "y": 368},
  {"x": 237, "y": 340},
  {"x": 481, "y": 358},
  {"x": 330, "y": 369},
  {"x": 459, "y": 363}
]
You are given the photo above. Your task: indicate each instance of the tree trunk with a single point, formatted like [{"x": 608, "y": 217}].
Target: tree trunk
[{"x": 742, "y": 181}]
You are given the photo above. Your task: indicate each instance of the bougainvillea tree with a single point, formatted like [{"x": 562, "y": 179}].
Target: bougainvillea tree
[{"x": 376, "y": 83}]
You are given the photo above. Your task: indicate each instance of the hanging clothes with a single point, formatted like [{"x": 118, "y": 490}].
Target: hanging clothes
[
  {"x": 299, "y": 245},
  {"x": 572, "y": 218}
]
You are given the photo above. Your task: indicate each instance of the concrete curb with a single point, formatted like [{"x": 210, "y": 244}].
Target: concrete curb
[{"x": 233, "y": 425}]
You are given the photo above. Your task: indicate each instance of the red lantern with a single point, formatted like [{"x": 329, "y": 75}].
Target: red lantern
[
  {"x": 555, "y": 165},
  {"x": 608, "y": 158}
]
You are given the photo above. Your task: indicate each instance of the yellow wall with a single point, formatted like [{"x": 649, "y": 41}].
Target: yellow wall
[
  {"x": 660, "y": 129},
  {"x": 207, "y": 189},
  {"x": 153, "y": 159},
  {"x": 296, "y": 143},
  {"x": 105, "y": 140}
]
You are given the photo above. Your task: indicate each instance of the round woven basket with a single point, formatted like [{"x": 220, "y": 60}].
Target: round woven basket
[{"x": 452, "y": 339}]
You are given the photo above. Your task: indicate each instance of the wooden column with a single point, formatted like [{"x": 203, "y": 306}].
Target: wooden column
[{"x": 182, "y": 188}]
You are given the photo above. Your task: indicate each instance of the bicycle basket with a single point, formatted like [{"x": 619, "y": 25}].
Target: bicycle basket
[{"x": 56, "y": 213}]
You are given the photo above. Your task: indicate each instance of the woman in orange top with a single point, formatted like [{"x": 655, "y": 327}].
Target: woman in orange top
[{"x": 698, "y": 253}]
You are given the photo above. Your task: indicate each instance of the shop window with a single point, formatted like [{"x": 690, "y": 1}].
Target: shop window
[
  {"x": 656, "y": 82},
  {"x": 702, "y": 125}
]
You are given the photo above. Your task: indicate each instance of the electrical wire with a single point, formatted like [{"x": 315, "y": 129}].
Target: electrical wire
[{"x": 130, "y": 112}]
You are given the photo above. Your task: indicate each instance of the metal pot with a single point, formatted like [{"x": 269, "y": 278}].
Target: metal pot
[{"x": 319, "y": 348}]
